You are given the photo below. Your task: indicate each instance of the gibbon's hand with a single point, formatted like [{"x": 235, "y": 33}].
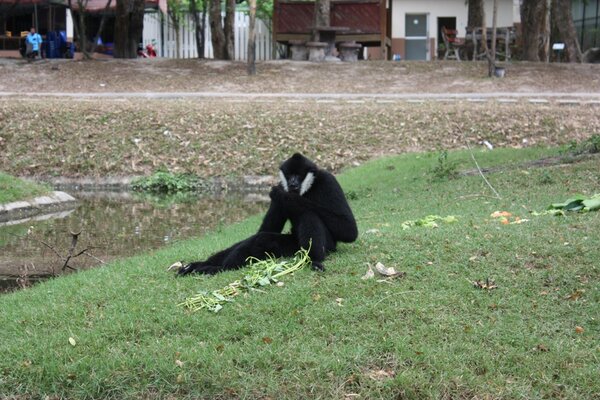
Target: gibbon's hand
[{"x": 278, "y": 194}]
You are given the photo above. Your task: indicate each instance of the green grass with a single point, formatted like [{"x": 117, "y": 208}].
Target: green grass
[
  {"x": 13, "y": 189},
  {"x": 431, "y": 334}
]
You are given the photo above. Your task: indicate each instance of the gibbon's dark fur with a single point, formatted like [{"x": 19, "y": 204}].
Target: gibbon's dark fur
[{"x": 312, "y": 200}]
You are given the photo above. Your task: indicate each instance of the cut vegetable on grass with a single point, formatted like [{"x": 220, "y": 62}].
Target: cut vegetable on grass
[
  {"x": 430, "y": 221},
  {"x": 259, "y": 273},
  {"x": 578, "y": 203}
]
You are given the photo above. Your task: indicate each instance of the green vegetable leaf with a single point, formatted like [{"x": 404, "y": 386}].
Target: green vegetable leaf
[
  {"x": 592, "y": 204},
  {"x": 574, "y": 205},
  {"x": 264, "y": 281}
]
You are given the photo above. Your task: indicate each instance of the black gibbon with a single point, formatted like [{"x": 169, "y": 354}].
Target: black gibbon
[{"x": 312, "y": 200}]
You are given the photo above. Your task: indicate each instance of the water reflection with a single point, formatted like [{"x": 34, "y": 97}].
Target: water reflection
[{"x": 112, "y": 225}]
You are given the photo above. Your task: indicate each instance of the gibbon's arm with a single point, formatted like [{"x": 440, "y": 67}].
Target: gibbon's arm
[{"x": 275, "y": 218}]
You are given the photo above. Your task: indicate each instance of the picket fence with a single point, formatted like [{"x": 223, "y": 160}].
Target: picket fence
[{"x": 159, "y": 30}]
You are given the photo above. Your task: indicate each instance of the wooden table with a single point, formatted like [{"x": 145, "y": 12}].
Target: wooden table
[
  {"x": 328, "y": 34},
  {"x": 504, "y": 35}
]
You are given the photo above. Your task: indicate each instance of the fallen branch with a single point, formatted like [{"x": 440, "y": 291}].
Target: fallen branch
[
  {"x": 481, "y": 172},
  {"x": 70, "y": 255}
]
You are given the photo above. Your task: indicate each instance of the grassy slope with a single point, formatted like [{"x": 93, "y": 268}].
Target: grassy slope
[
  {"x": 13, "y": 189},
  {"x": 428, "y": 335}
]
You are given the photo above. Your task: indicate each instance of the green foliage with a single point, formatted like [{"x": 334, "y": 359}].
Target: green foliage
[
  {"x": 13, "y": 189},
  {"x": 264, "y": 10},
  {"x": 168, "y": 182},
  {"x": 590, "y": 145},
  {"x": 444, "y": 169}
]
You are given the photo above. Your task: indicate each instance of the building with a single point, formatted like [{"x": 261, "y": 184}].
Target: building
[
  {"x": 416, "y": 24},
  {"x": 586, "y": 15}
]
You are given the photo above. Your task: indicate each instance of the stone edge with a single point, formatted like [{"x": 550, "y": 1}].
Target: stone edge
[{"x": 54, "y": 201}]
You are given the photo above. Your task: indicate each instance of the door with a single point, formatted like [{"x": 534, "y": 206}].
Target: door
[{"x": 417, "y": 37}]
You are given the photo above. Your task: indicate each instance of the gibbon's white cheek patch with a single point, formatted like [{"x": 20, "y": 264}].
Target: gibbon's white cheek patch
[
  {"x": 307, "y": 183},
  {"x": 283, "y": 181}
]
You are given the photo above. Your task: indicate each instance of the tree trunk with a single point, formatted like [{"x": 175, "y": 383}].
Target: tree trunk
[
  {"x": 79, "y": 26},
  {"x": 129, "y": 26},
  {"x": 136, "y": 30},
  {"x": 563, "y": 23},
  {"x": 101, "y": 27},
  {"x": 82, "y": 31},
  {"x": 476, "y": 14},
  {"x": 252, "y": 39},
  {"x": 216, "y": 30},
  {"x": 533, "y": 26},
  {"x": 121, "y": 29},
  {"x": 198, "y": 25},
  {"x": 322, "y": 17},
  {"x": 492, "y": 52},
  {"x": 229, "y": 29},
  {"x": 174, "y": 13}
]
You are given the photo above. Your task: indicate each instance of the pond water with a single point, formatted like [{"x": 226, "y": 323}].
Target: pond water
[{"x": 112, "y": 225}]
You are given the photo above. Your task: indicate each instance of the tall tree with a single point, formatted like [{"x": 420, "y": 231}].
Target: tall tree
[
  {"x": 476, "y": 14},
  {"x": 175, "y": 13},
  {"x": 534, "y": 29},
  {"x": 222, "y": 33},
  {"x": 229, "y": 29},
  {"x": 199, "y": 25},
  {"x": 101, "y": 26},
  {"x": 476, "y": 20},
  {"x": 322, "y": 17},
  {"x": 216, "y": 30},
  {"x": 129, "y": 25},
  {"x": 80, "y": 26},
  {"x": 252, "y": 39},
  {"x": 562, "y": 18},
  {"x": 491, "y": 53}
]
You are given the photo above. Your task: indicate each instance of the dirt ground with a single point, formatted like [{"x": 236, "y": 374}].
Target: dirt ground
[{"x": 283, "y": 76}]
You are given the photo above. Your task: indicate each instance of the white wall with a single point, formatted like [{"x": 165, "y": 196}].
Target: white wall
[{"x": 507, "y": 13}]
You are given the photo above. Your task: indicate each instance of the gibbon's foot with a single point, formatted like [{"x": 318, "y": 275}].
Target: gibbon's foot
[
  {"x": 318, "y": 266},
  {"x": 198, "y": 268}
]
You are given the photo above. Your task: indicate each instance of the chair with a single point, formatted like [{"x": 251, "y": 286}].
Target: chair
[{"x": 452, "y": 43}]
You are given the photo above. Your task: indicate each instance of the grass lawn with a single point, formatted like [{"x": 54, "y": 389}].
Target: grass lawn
[
  {"x": 116, "y": 331},
  {"x": 13, "y": 189}
]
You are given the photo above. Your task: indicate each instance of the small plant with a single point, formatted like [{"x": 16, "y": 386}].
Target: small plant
[
  {"x": 546, "y": 178},
  {"x": 352, "y": 195},
  {"x": 167, "y": 182},
  {"x": 590, "y": 145},
  {"x": 444, "y": 169}
]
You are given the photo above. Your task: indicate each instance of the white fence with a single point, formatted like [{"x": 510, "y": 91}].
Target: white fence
[{"x": 159, "y": 29}]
